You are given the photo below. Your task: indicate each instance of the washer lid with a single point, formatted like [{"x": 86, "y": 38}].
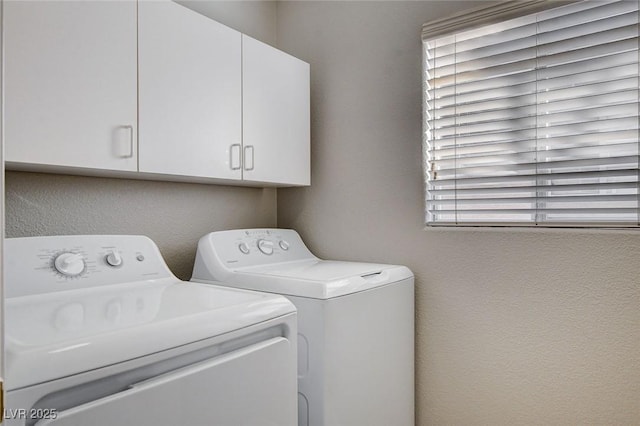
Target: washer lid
[
  {"x": 320, "y": 279},
  {"x": 74, "y": 331}
]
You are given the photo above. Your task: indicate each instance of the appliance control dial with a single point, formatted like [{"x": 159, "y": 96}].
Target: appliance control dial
[
  {"x": 283, "y": 245},
  {"x": 69, "y": 264},
  {"x": 113, "y": 258},
  {"x": 265, "y": 246},
  {"x": 244, "y": 248}
]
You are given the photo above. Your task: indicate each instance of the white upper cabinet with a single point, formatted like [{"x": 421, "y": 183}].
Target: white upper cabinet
[
  {"x": 150, "y": 90},
  {"x": 275, "y": 115},
  {"x": 70, "y": 84},
  {"x": 190, "y": 93}
]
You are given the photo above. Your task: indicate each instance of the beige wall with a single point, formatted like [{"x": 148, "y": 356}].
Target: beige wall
[
  {"x": 513, "y": 327},
  {"x": 174, "y": 215},
  {"x": 254, "y": 18}
]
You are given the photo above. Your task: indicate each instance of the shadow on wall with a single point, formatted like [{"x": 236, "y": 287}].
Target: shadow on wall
[{"x": 174, "y": 215}]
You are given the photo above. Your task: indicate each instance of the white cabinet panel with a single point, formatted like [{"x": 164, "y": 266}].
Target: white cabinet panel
[
  {"x": 275, "y": 115},
  {"x": 190, "y": 93},
  {"x": 70, "y": 84}
]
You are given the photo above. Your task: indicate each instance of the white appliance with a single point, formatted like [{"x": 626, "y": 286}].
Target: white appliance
[
  {"x": 99, "y": 332},
  {"x": 355, "y": 323}
]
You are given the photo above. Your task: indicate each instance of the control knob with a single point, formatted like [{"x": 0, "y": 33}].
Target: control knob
[
  {"x": 265, "y": 246},
  {"x": 113, "y": 258},
  {"x": 69, "y": 264},
  {"x": 244, "y": 248}
]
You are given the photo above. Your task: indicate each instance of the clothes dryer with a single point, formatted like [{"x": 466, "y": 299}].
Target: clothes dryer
[
  {"x": 99, "y": 332},
  {"x": 355, "y": 323}
]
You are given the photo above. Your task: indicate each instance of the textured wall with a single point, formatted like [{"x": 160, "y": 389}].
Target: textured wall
[
  {"x": 254, "y": 18},
  {"x": 174, "y": 215},
  {"x": 513, "y": 327}
]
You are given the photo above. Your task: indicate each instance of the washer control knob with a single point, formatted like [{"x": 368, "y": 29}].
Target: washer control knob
[
  {"x": 113, "y": 258},
  {"x": 244, "y": 248},
  {"x": 283, "y": 245},
  {"x": 265, "y": 246},
  {"x": 69, "y": 264}
]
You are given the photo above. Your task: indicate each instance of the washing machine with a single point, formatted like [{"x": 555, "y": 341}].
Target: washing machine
[
  {"x": 99, "y": 332},
  {"x": 355, "y": 323}
]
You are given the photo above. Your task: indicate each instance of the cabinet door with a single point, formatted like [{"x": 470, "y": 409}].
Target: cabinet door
[
  {"x": 275, "y": 115},
  {"x": 190, "y": 93},
  {"x": 70, "y": 83}
]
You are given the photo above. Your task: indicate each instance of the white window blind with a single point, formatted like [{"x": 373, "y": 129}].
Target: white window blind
[{"x": 535, "y": 121}]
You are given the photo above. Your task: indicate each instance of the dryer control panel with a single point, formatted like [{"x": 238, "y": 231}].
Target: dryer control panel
[
  {"x": 36, "y": 265},
  {"x": 252, "y": 247}
]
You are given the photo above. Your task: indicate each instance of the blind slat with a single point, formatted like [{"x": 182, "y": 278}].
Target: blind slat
[
  {"x": 596, "y": 137},
  {"x": 631, "y": 187},
  {"x": 546, "y": 132},
  {"x": 595, "y": 210},
  {"x": 628, "y": 174},
  {"x": 524, "y": 164},
  {"x": 584, "y": 151},
  {"x": 615, "y": 198}
]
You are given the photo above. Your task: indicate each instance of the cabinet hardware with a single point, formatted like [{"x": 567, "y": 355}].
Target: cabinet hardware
[
  {"x": 234, "y": 153},
  {"x": 130, "y": 128},
  {"x": 248, "y": 162}
]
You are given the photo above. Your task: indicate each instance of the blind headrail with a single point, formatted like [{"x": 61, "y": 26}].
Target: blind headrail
[{"x": 482, "y": 16}]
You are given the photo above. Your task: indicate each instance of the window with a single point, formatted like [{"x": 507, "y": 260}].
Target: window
[{"x": 535, "y": 120}]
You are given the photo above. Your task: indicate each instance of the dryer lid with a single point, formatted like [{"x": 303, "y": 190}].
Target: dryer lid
[{"x": 75, "y": 331}]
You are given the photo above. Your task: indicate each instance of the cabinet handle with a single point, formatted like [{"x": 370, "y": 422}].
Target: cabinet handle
[
  {"x": 248, "y": 164},
  {"x": 130, "y": 128},
  {"x": 234, "y": 160}
]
